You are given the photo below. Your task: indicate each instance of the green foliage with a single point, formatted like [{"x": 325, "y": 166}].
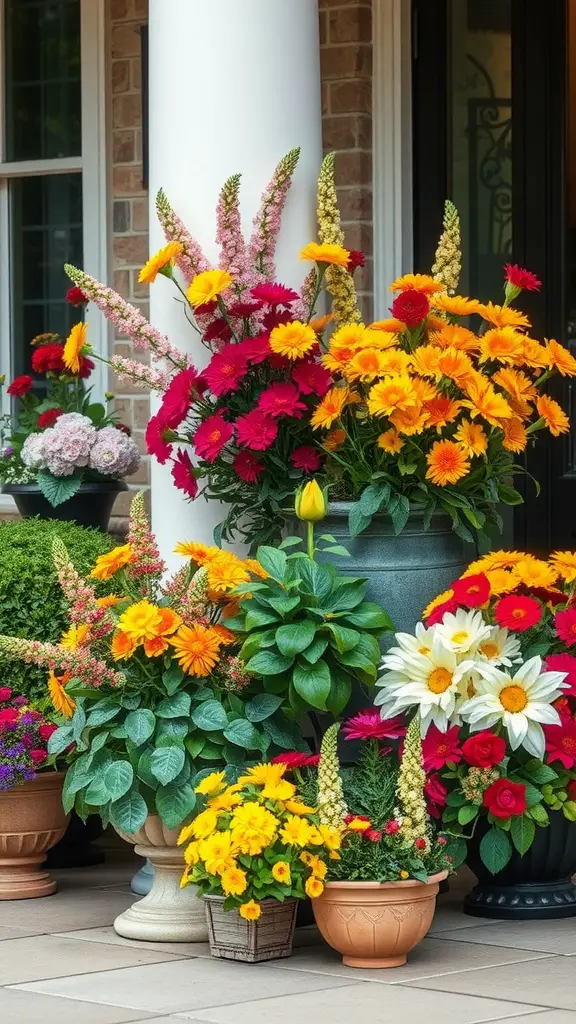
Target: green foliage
[{"x": 31, "y": 602}]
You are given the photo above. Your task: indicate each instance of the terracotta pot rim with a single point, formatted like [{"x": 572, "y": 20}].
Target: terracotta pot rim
[
  {"x": 38, "y": 783},
  {"x": 407, "y": 883}
]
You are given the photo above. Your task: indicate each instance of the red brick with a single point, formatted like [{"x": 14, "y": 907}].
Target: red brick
[
  {"x": 351, "y": 96},
  {"x": 363, "y": 277},
  {"x": 141, "y": 10},
  {"x": 355, "y": 203},
  {"x": 353, "y": 168},
  {"x": 140, "y": 215},
  {"x": 131, "y": 250},
  {"x": 350, "y": 25},
  {"x": 350, "y": 131},
  {"x": 141, "y": 412},
  {"x": 352, "y": 61},
  {"x": 122, "y": 282},
  {"x": 337, "y": 3},
  {"x": 120, "y": 75},
  {"x": 136, "y": 74},
  {"x": 323, "y": 27},
  {"x": 125, "y": 41},
  {"x": 127, "y": 110},
  {"x": 123, "y": 408},
  {"x": 120, "y": 9},
  {"x": 127, "y": 181},
  {"x": 140, "y": 291},
  {"x": 325, "y": 98},
  {"x": 123, "y": 148},
  {"x": 359, "y": 236}
]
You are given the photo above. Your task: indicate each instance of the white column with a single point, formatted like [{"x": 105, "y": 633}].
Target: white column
[{"x": 234, "y": 85}]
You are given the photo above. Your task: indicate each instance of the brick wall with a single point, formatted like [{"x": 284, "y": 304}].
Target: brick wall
[{"x": 346, "y": 66}]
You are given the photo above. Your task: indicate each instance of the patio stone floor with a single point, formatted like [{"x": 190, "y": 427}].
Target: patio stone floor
[{"x": 62, "y": 963}]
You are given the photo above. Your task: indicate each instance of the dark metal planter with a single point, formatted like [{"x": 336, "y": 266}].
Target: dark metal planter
[
  {"x": 536, "y": 886},
  {"x": 91, "y": 505}
]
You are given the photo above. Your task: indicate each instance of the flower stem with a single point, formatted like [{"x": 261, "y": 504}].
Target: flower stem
[{"x": 310, "y": 540}]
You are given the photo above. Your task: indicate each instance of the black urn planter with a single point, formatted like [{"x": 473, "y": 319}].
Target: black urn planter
[
  {"x": 537, "y": 886},
  {"x": 90, "y": 506}
]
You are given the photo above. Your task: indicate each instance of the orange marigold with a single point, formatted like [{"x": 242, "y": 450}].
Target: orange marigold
[
  {"x": 471, "y": 438},
  {"x": 410, "y": 421},
  {"x": 330, "y": 408},
  {"x": 441, "y": 410},
  {"x": 417, "y": 282},
  {"x": 553, "y": 415},
  {"x": 326, "y": 252},
  {"x": 502, "y": 316},
  {"x": 365, "y": 365},
  {"x": 197, "y": 649},
  {"x": 390, "y": 394},
  {"x": 515, "y": 436},
  {"x": 106, "y": 565},
  {"x": 503, "y": 344},
  {"x": 486, "y": 402},
  {"x": 293, "y": 339},
  {"x": 225, "y": 573},
  {"x": 455, "y": 336},
  {"x": 390, "y": 441},
  {"x": 447, "y": 463},
  {"x": 455, "y": 305},
  {"x": 561, "y": 358},
  {"x": 455, "y": 365},
  {"x": 516, "y": 383},
  {"x": 334, "y": 440},
  {"x": 122, "y": 646},
  {"x": 425, "y": 360},
  {"x": 391, "y": 324},
  {"x": 534, "y": 354}
]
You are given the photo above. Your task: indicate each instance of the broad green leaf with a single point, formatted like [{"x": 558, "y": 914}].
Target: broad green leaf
[
  {"x": 175, "y": 803},
  {"x": 166, "y": 763},
  {"x": 268, "y": 663},
  {"x": 105, "y": 712},
  {"x": 60, "y": 740},
  {"x": 337, "y": 549},
  {"x": 139, "y": 725},
  {"x": 373, "y": 497},
  {"x": 176, "y": 706},
  {"x": 495, "y": 850},
  {"x": 243, "y": 734},
  {"x": 144, "y": 770},
  {"x": 312, "y": 683},
  {"x": 172, "y": 730},
  {"x": 316, "y": 649},
  {"x": 194, "y": 745},
  {"x": 211, "y": 752},
  {"x": 210, "y": 716},
  {"x": 522, "y": 830},
  {"x": 509, "y": 495},
  {"x": 398, "y": 509},
  {"x": 97, "y": 793},
  {"x": 369, "y": 616},
  {"x": 537, "y": 772},
  {"x": 348, "y": 595},
  {"x": 57, "y": 489},
  {"x": 284, "y": 605},
  {"x": 284, "y": 734},
  {"x": 294, "y": 638},
  {"x": 273, "y": 561},
  {"x": 358, "y": 520},
  {"x": 129, "y": 812},
  {"x": 173, "y": 678},
  {"x": 340, "y": 689},
  {"x": 539, "y": 814},
  {"x": 344, "y": 639},
  {"x": 118, "y": 778},
  {"x": 262, "y": 706},
  {"x": 467, "y": 814}
]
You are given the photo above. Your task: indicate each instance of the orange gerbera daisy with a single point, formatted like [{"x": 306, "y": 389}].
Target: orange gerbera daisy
[
  {"x": 293, "y": 339},
  {"x": 425, "y": 360},
  {"x": 141, "y": 621},
  {"x": 424, "y": 390},
  {"x": 501, "y": 343},
  {"x": 564, "y": 563},
  {"x": 63, "y": 703},
  {"x": 534, "y": 354},
  {"x": 561, "y": 358},
  {"x": 410, "y": 421},
  {"x": 201, "y": 554},
  {"x": 391, "y": 324},
  {"x": 417, "y": 282},
  {"x": 395, "y": 361},
  {"x": 108, "y": 564},
  {"x": 108, "y": 601},
  {"x": 486, "y": 402},
  {"x": 390, "y": 441},
  {"x": 447, "y": 463},
  {"x": 516, "y": 383},
  {"x": 74, "y": 346},
  {"x": 471, "y": 438},
  {"x": 455, "y": 365},
  {"x": 455, "y": 336},
  {"x": 253, "y": 566},
  {"x": 390, "y": 394},
  {"x": 225, "y": 573},
  {"x": 502, "y": 316},
  {"x": 165, "y": 257},
  {"x": 169, "y": 621},
  {"x": 156, "y": 646},
  {"x": 441, "y": 410},
  {"x": 365, "y": 365},
  {"x": 320, "y": 323},
  {"x": 515, "y": 436},
  {"x": 534, "y": 572},
  {"x": 197, "y": 649},
  {"x": 501, "y": 581},
  {"x": 330, "y": 407},
  {"x": 334, "y": 440},
  {"x": 122, "y": 646},
  {"x": 553, "y": 415},
  {"x": 326, "y": 252},
  {"x": 455, "y": 305}
]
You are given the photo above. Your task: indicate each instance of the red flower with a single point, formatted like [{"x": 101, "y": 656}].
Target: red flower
[
  {"x": 392, "y": 827},
  {"x": 561, "y": 742},
  {"x": 505, "y": 798},
  {"x": 276, "y": 316},
  {"x": 563, "y": 663},
  {"x": 20, "y": 385},
  {"x": 520, "y": 278},
  {"x": 420, "y": 844},
  {"x": 75, "y": 296},
  {"x": 178, "y": 397},
  {"x": 206, "y": 308},
  {"x": 46, "y": 731},
  {"x": 247, "y": 467},
  {"x": 86, "y": 367},
  {"x": 571, "y": 790},
  {"x": 184, "y": 474},
  {"x": 518, "y": 613},
  {"x": 157, "y": 437},
  {"x": 368, "y": 725},
  {"x": 255, "y": 350},
  {"x": 436, "y": 794},
  {"x": 356, "y": 817},
  {"x": 123, "y": 428},
  {"x": 311, "y": 378},
  {"x": 484, "y": 749},
  {"x": 256, "y": 430},
  {"x": 5, "y": 693},
  {"x": 565, "y": 624},
  {"x": 281, "y": 400},
  {"x": 472, "y": 591},
  {"x": 294, "y": 759},
  {"x": 38, "y": 757},
  {"x": 211, "y": 437},
  {"x": 48, "y": 358},
  {"x": 245, "y": 309},
  {"x": 218, "y": 330},
  {"x": 356, "y": 258},
  {"x": 438, "y": 613},
  {"x": 411, "y": 307},
  {"x": 547, "y": 595},
  {"x": 440, "y": 747},
  {"x": 48, "y": 418},
  {"x": 306, "y": 458},
  {"x": 562, "y": 705},
  {"x": 8, "y": 716},
  {"x": 274, "y": 294},
  {"x": 373, "y": 835},
  {"x": 225, "y": 370}
]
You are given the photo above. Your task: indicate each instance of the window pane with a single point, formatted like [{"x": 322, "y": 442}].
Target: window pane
[
  {"x": 46, "y": 232},
  {"x": 43, "y": 92}
]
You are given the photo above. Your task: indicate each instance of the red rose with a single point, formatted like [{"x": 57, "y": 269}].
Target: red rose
[
  {"x": 420, "y": 844},
  {"x": 20, "y": 385},
  {"x": 5, "y": 693},
  {"x": 436, "y": 794},
  {"x": 505, "y": 798},
  {"x": 484, "y": 749},
  {"x": 38, "y": 757},
  {"x": 411, "y": 307},
  {"x": 391, "y": 827},
  {"x": 76, "y": 297},
  {"x": 48, "y": 418},
  {"x": 48, "y": 359},
  {"x": 45, "y": 731}
]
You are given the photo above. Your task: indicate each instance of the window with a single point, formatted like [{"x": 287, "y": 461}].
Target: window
[{"x": 52, "y": 170}]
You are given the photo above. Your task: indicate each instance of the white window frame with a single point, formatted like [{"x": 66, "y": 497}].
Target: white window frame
[{"x": 92, "y": 164}]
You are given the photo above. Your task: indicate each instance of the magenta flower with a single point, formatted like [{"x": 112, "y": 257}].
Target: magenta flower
[
  {"x": 211, "y": 437},
  {"x": 367, "y": 725}
]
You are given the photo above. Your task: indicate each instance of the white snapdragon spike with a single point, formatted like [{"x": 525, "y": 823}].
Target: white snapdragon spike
[
  {"x": 500, "y": 647},
  {"x": 420, "y": 643},
  {"x": 521, "y": 702},
  {"x": 429, "y": 682},
  {"x": 463, "y": 630}
]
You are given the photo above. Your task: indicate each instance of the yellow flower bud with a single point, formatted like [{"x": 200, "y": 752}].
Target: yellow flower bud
[{"x": 310, "y": 503}]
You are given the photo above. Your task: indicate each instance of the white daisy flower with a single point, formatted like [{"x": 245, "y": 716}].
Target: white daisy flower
[
  {"x": 499, "y": 648},
  {"x": 521, "y": 702},
  {"x": 463, "y": 630},
  {"x": 427, "y": 681},
  {"x": 420, "y": 643}
]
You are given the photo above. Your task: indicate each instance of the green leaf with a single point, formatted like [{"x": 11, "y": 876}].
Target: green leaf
[
  {"x": 268, "y": 663},
  {"x": 262, "y": 706},
  {"x": 194, "y": 745},
  {"x": 289, "y": 542},
  {"x": 166, "y": 763},
  {"x": 284, "y": 605},
  {"x": 284, "y": 734},
  {"x": 173, "y": 678},
  {"x": 210, "y": 716},
  {"x": 370, "y": 616},
  {"x": 77, "y": 777},
  {"x": 97, "y": 792},
  {"x": 294, "y": 638},
  {"x": 57, "y": 489},
  {"x": 344, "y": 639},
  {"x": 144, "y": 770},
  {"x": 337, "y": 549},
  {"x": 243, "y": 734},
  {"x": 522, "y": 830},
  {"x": 60, "y": 739},
  {"x": 398, "y": 509},
  {"x": 256, "y": 617},
  {"x": 139, "y": 725},
  {"x": 539, "y": 814},
  {"x": 539, "y": 773},
  {"x": 105, "y": 712},
  {"x": 175, "y": 803},
  {"x": 348, "y": 595},
  {"x": 96, "y": 412},
  {"x": 316, "y": 649},
  {"x": 358, "y": 520},
  {"x": 533, "y": 796},
  {"x": 273, "y": 561},
  {"x": 211, "y": 752},
  {"x": 176, "y": 706},
  {"x": 467, "y": 814},
  {"x": 118, "y": 778},
  {"x": 495, "y": 850},
  {"x": 340, "y": 689},
  {"x": 312, "y": 683},
  {"x": 129, "y": 812},
  {"x": 170, "y": 730},
  {"x": 509, "y": 495},
  {"x": 372, "y": 498}
]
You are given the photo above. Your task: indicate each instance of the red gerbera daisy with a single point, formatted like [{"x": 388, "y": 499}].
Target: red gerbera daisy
[
  {"x": 518, "y": 613},
  {"x": 211, "y": 437},
  {"x": 86, "y": 367},
  {"x": 248, "y": 467},
  {"x": 245, "y": 309},
  {"x": 206, "y": 308},
  {"x": 218, "y": 330},
  {"x": 48, "y": 418},
  {"x": 561, "y": 742},
  {"x": 311, "y": 378},
  {"x": 184, "y": 474},
  {"x": 440, "y": 611},
  {"x": 436, "y": 794},
  {"x": 48, "y": 358},
  {"x": 225, "y": 370},
  {"x": 255, "y": 350},
  {"x": 256, "y": 430},
  {"x": 76, "y": 297},
  {"x": 368, "y": 725},
  {"x": 306, "y": 458},
  {"x": 158, "y": 436},
  {"x": 276, "y": 316},
  {"x": 564, "y": 663},
  {"x": 178, "y": 397},
  {"x": 440, "y": 747},
  {"x": 294, "y": 759},
  {"x": 565, "y": 624},
  {"x": 525, "y": 280},
  {"x": 274, "y": 294},
  {"x": 411, "y": 307},
  {"x": 472, "y": 591},
  {"x": 281, "y": 400},
  {"x": 548, "y": 595}
]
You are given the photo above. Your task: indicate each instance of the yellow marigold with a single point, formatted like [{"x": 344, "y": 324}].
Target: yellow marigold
[
  {"x": 471, "y": 438},
  {"x": 485, "y": 401},
  {"x": 201, "y": 554},
  {"x": 441, "y": 410},
  {"x": 330, "y": 408},
  {"x": 390, "y": 394},
  {"x": 203, "y": 826},
  {"x": 535, "y": 573},
  {"x": 253, "y": 566},
  {"x": 217, "y": 851},
  {"x": 63, "y": 703},
  {"x": 334, "y": 440},
  {"x": 75, "y": 637},
  {"x": 358, "y": 825},
  {"x": 404, "y": 875},
  {"x": 515, "y": 436},
  {"x": 455, "y": 336},
  {"x": 250, "y": 911},
  {"x": 521, "y": 408},
  {"x": 263, "y": 775},
  {"x": 516, "y": 383},
  {"x": 165, "y": 257},
  {"x": 447, "y": 463},
  {"x": 331, "y": 837},
  {"x": 418, "y": 282},
  {"x": 498, "y": 560},
  {"x": 326, "y": 252},
  {"x": 365, "y": 365},
  {"x": 306, "y": 857},
  {"x": 501, "y": 581},
  {"x": 234, "y": 881},
  {"x": 293, "y": 340},
  {"x": 296, "y": 831},
  {"x": 225, "y": 573},
  {"x": 108, "y": 601},
  {"x": 424, "y": 390},
  {"x": 317, "y": 867},
  {"x": 192, "y": 853},
  {"x": 394, "y": 360},
  {"x": 455, "y": 365},
  {"x": 122, "y": 646},
  {"x": 455, "y": 305},
  {"x": 197, "y": 649},
  {"x": 379, "y": 339},
  {"x": 108, "y": 564},
  {"x": 425, "y": 360},
  {"x": 75, "y": 343},
  {"x": 253, "y": 828},
  {"x": 434, "y": 322},
  {"x": 313, "y": 887},
  {"x": 534, "y": 354},
  {"x": 410, "y": 421},
  {"x": 561, "y": 358},
  {"x": 446, "y": 595},
  {"x": 390, "y": 441},
  {"x": 282, "y": 790},
  {"x": 564, "y": 564},
  {"x": 553, "y": 415},
  {"x": 391, "y": 325},
  {"x": 503, "y": 344},
  {"x": 502, "y": 316},
  {"x": 297, "y": 807},
  {"x": 141, "y": 621},
  {"x": 207, "y": 286},
  {"x": 348, "y": 336},
  {"x": 212, "y": 784},
  {"x": 225, "y": 801},
  {"x": 281, "y": 872}
]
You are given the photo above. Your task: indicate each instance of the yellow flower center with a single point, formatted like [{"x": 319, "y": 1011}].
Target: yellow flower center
[
  {"x": 215, "y": 435},
  {"x": 460, "y": 637},
  {"x": 439, "y": 680},
  {"x": 513, "y": 698},
  {"x": 423, "y": 650},
  {"x": 489, "y": 649}
]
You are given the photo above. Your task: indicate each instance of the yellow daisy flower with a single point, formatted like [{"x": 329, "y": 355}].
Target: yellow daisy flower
[{"x": 165, "y": 257}]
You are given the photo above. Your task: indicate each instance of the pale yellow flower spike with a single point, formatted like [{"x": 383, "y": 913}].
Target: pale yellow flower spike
[
  {"x": 338, "y": 281},
  {"x": 410, "y": 787},
  {"x": 448, "y": 260}
]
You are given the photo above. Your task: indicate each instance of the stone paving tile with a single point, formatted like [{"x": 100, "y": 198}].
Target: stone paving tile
[
  {"x": 188, "y": 985},
  {"x": 28, "y": 1008},
  {"x": 542, "y": 936},
  {"x": 548, "y": 982},
  {"x": 541, "y": 1017},
  {"x": 49, "y": 956},
  {"x": 12, "y": 931},
  {"x": 65, "y": 910},
  {"x": 109, "y": 937}
]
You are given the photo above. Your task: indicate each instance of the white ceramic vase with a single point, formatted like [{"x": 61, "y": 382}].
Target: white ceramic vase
[{"x": 168, "y": 913}]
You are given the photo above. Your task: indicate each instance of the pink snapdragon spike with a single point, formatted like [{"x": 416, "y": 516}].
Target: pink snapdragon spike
[
  {"x": 147, "y": 566},
  {"x": 83, "y": 604},
  {"x": 191, "y": 259},
  {"x": 80, "y": 663},
  {"x": 268, "y": 219},
  {"x": 233, "y": 253},
  {"x": 144, "y": 376}
]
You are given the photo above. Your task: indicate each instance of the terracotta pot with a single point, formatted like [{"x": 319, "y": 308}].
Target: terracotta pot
[
  {"x": 32, "y": 820},
  {"x": 376, "y": 925},
  {"x": 268, "y": 938},
  {"x": 167, "y": 913}
]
